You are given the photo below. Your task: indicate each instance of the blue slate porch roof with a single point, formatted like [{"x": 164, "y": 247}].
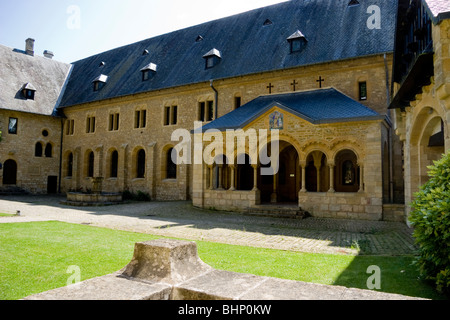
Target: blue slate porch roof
[{"x": 316, "y": 106}]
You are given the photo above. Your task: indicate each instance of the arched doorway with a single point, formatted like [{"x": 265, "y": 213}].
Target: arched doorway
[
  {"x": 10, "y": 172},
  {"x": 244, "y": 173},
  {"x": 285, "y": 185},
  {"x": 427, "y": 144}
]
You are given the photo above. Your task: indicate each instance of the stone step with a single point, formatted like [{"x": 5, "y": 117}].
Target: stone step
[
  {"x": 278, "y": 211},
  {"x": 12, "y": 191}
]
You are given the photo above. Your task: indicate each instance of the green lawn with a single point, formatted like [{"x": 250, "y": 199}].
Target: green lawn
[
  {"x": 34, "y": 257},
  {"x": 6, "y": 215}
]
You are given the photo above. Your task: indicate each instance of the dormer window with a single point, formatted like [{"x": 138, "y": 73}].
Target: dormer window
[
  {"x": 297, "y": 41},
  {"x": 212, "y": 58},
  {"x": 99, "y": 82},
  {"x": 148, "y": 71},
  {"x": 28, "y": 91}
]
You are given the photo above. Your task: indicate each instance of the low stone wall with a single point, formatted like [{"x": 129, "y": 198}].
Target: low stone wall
[
  {"x": 172, "y": 270},
  {"x": 228, "y": 200},
  {"x": 340, "y": 205},
  {"x": 86, "y": 199},
  {"x": 394, "y": 212}
]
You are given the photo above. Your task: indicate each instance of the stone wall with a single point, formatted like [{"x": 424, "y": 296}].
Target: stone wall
[
  {"x": 32, "y": 171},
  {"x": 425, "y": 117},
  {"x": 155, "y": 137}
]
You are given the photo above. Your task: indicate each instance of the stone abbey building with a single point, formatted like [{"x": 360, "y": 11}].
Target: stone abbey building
[{"x": 353, "y": 93}]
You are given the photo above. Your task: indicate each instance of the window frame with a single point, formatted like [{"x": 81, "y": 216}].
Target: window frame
[
  {"x": 140, "y": 164},
  {"x": 362, "y": 88},
  {"x": 90, "y": 124},
  {"x": 15, "y": 128},
  {"x": 114, "y": 122},
  {"x": 170, "y": 115},
  {"x": 140, "y": 119},
  {"x": 171, "y": 167}
]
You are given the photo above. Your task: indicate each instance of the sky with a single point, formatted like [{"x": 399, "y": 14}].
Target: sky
[{"x": 76, "y": 29}]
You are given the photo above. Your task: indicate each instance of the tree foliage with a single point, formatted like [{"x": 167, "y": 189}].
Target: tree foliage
[{"x": 431, "y": 221}]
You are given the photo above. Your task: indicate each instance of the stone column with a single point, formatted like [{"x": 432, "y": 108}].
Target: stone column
[
  {"x": 233, "y": 171},
  {"x": 211, "y": 177},
  {"x": 332, "y": 166},
  {"x": 361, "y": 177},
  {"x": 255, "y": 177},
  {"x": 274, "y": 196},
  {"x": 220, "y": 176},
  {"x": 303, "y": 166},
  {"x": 318, "y": 166}
]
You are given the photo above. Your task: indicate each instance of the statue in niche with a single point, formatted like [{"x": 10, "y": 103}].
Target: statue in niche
[
  {"x": 349, "y": 176},
  {"x": 276, "y": 120}
]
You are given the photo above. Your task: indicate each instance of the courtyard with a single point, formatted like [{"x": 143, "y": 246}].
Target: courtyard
[{"x": 182, "y": 220}]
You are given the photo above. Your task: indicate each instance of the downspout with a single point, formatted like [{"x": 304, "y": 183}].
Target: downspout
[
  {"x": 60, "y": 155},
  {"x": 216, "y": 98},
  {"x": 391, "y": 163}
]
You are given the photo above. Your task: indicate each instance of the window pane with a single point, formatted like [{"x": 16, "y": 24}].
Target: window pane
[
  {"x": 210, "y": 110},
  {"x": 202, "y": 111},
  {"x": 48, "y": 150},
  {"x": 38, "y": 150},
  {"x": 143, "y": 118},
  {"x": 141, "y": 164},
  {"x": 70, "y": 165},
  {"x": 12, "y": 127},
  {"x": 174, "y": 114},
  {"x": 167, "y": 116},
  {"x": 171, "y": 165},
  {"x": 114, "y": 164},
  {"x": 91, "y": 165},
  {"x": 362, "y": 91}
]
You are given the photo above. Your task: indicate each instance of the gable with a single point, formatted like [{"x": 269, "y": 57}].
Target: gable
[
  {"x": 44, "y": 76},
  {"x": 316, "y": 107}
]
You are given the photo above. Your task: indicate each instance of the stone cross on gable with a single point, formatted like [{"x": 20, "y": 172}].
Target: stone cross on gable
[
  {"x": 293, "y": 84},
  {"x": 320, "y": 81}
]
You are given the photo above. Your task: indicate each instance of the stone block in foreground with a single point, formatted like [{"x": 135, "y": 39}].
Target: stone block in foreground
[{"x": 171, "y": 270}]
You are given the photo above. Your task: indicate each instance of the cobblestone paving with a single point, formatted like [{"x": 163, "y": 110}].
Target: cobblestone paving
[{"x": 182, "y": 220}]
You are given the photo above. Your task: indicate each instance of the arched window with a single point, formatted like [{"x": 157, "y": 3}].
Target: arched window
[
  {"x": 171, "y": 168},
  {"x": 222, "y": 173},
  {"x": 38, "y": 149},
  {"x": 48, "y": 150},
  {"x": 114, "y": 164},
  {"x": 70, "y": 165},
  {"x": 140, "y": 168},
  {"x": 347, "y": 172},
  {"x": 90, "y": 171}
]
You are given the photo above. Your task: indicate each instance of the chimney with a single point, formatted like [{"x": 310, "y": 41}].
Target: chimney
[
  {"x": 48, "y": 54},
  {"x": 29, "y": 47}
]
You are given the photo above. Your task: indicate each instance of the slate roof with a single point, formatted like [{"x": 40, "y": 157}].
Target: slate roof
[
  {"x": 19, "y": 71},
  {"x": 317, "y": 106},
  {"x": 334, "y": 31},
  {"x": 439, "y": 9}
]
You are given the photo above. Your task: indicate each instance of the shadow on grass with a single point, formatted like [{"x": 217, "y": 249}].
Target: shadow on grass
[{"x": 398, "y": 275}]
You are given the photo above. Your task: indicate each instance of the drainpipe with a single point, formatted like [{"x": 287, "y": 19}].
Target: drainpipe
[
  {"x": 391, "y": 161},
  {"x": 216, "y": 98},
  {"x": 60, "y": 155}
]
